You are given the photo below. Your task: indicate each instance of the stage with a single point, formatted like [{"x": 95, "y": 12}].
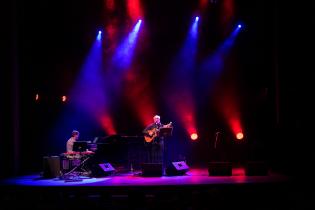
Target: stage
[
  {"x": 193, "y": 190},
  {"x": 194, "y": 177}
]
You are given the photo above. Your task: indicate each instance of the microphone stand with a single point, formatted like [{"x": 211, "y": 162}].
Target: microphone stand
[{"x": 216, "y": 139}]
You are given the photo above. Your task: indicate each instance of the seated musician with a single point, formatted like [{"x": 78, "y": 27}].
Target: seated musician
[
  {"x": 74, "y": 137},
  {"x": 154, "y": 145}
]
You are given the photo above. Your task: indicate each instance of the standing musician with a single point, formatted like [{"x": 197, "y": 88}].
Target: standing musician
[{"x": 154, "y": 145}]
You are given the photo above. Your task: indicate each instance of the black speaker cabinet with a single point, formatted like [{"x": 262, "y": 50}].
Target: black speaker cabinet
[
  {"x": 102, "y": 169},
  {"x": 51, "y": 166},
  {"x": 220, "y": 169},
  {"x": 256, "y": 168},
  {"x": 177, "y": 168},
  {"x": 152, "y": 169}
]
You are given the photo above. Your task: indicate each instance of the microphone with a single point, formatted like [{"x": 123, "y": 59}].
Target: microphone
[
  {"x": 216, "y": 139},
  {"x": 159, "y": 124}
]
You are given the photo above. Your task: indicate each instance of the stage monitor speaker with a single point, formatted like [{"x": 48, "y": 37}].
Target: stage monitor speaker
[
  {"x": 152, "y": 169},
  {"x": 177, "y": 168},
  {"x": 256, "y": 168},
  {"x": 220, "y": 169},
  {"x": 51, "y": 166},
  {"x": 102, "y": 169}
]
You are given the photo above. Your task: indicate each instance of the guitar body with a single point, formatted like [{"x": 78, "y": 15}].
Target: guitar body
[{"x": 151, "y": 134}]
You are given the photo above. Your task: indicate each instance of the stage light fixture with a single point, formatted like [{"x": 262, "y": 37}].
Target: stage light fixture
[
  {"x": 239, "y": 136},
  {"x": 64, "y": 98},
  {"x": 194, "y": 136},
  {"x": 99, "y": 35}
]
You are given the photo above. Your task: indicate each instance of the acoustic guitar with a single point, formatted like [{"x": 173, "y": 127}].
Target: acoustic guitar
[{"x": 154, "y": 132}]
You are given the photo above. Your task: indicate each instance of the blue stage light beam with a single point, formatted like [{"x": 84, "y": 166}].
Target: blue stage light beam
[{"x": 125, "y": 51}]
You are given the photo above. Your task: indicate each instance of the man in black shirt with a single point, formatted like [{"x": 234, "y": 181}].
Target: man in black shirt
[{"x": 154, "y": 144}]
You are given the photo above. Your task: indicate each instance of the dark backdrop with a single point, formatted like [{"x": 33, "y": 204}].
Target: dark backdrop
[{"x": 46, "y": 42}]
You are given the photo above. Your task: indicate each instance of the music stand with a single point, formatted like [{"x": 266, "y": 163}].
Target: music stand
[
  {"x": 166, "y": 132},
  {"x": 163, "y": 133}
]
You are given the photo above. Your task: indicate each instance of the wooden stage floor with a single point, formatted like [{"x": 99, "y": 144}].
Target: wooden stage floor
[{"x": 194, "y": 190}]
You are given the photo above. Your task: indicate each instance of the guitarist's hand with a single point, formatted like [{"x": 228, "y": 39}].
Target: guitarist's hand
[
  {"x": 148, "y": 135},
  {"x": 168, "y": 125}
]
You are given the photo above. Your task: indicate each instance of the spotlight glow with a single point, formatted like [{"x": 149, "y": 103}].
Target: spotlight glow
[
  {"x": 125, "y": 51},
  {"x": 197, "y": 18},
  {"x": 239, "y": 26},
  {"x": 239, "y": 136},
  {"x": 134, "y": 9},
  {"x": 64, "y": 98},
  {"x": 37, "y": 97},
  {"x": 194, "y": 136},
  {"x": 99, "y": 35}
]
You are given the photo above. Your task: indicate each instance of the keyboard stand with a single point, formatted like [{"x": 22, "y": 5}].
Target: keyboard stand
[{"x": 74, "y": 174}]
